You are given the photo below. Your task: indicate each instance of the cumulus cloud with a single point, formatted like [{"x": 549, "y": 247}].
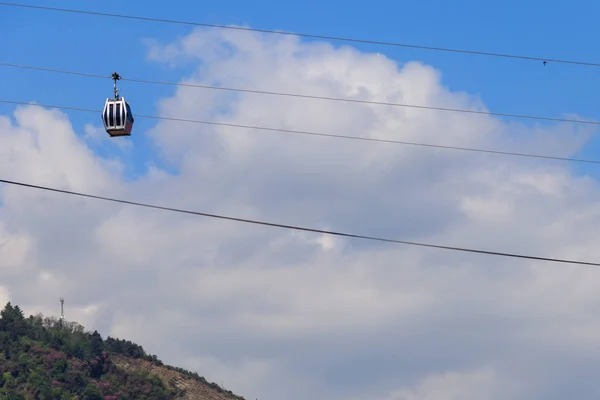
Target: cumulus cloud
[
  {"x": 280, "y": 314},
  {"x": 451, "y": 386}
]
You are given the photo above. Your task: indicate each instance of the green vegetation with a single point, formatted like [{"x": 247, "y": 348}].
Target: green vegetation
[{"x": 47, "y": 358}]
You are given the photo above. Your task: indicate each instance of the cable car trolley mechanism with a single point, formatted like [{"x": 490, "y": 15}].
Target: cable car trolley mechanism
[{"x": 117, "y": 116}]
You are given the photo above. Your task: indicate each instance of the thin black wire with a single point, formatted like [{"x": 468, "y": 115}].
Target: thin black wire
[
  {"x": 307, "y": 35},
  {"x": 580, "y": 160},
  {"x": 90, "y": 75},
  {"x": 299, "y": 228}
]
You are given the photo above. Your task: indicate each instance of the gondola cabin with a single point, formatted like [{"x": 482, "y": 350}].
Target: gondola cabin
[{"x": 117, "y": 117}]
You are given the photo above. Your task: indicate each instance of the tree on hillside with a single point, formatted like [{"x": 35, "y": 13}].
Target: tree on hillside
[{"x": 47, "y": 358}]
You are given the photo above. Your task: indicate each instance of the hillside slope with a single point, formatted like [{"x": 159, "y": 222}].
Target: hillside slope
[
  {"x": 46, "y": 358},
  {"x": 189, "y": 388}
]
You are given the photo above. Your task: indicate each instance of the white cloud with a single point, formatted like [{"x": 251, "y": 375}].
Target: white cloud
[
  {"x": 282, "y": 314},
  {"x": 97, "y": 135},
  {"x": 452, "y": 386},
  {"x": 4, "y": 295}
]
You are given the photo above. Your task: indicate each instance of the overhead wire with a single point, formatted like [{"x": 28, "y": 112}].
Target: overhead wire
[
  {"x": 458, "y": 110},
  {"x": 298, "y": 228},
  {"x": 306, "y": 35},
  {"x": 390, "y": 141},
  {"x": 294, "y": 227}
]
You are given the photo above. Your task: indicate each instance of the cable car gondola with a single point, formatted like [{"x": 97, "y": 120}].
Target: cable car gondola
[{"x": 117, "y": 116}]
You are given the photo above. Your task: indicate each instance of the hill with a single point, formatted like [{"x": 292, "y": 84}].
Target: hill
[{"x": 48, "y": 358}]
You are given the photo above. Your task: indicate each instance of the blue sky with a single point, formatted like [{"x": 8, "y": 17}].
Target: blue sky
[
  {"x": 322, "y": 317},
  {"x": 101, "y": 45}
]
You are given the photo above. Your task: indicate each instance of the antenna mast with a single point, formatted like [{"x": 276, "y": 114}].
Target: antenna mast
[{"x": 62, "y": 309}]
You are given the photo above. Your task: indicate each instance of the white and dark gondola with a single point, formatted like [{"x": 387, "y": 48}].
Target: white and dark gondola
[{"x": 117, "y": 116}]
